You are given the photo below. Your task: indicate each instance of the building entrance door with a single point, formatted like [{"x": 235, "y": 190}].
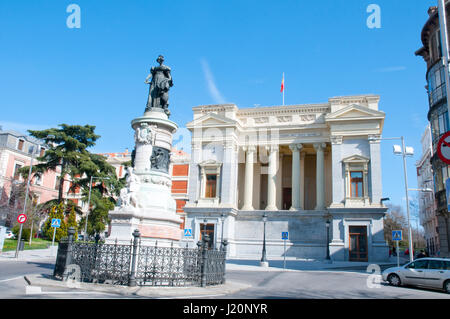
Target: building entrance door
[
  {"x": 358, "y": 243},
  {"x": 209, "y": 230},
  {"x": 287, "y": 198}
]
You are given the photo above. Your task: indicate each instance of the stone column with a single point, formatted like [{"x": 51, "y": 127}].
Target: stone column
[
  {"x": 203, "y": 183},
  {"x": 375, "y": 169},
  {"x": 320, "y": 176},
  {"x": 338, "y": 184},
  {"x": 248, "y": 182},
  {"x": 296, "y": 176},
  {"x": 271, "y": 177},
  {"x": 302, "y": 180}
]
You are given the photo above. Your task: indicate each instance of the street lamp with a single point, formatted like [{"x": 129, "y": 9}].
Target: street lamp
[
  {"x": 404, "y": 151},
  {"x": 264, "y": 262},
  {"x": 89, "y": 203},
  {"x": 328, "y": 259}
]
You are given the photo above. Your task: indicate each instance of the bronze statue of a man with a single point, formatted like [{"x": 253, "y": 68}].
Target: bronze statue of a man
[{"x": 160, "y": 84}]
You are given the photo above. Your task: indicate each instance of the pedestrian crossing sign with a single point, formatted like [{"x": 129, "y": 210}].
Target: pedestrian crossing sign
[
  {"x": 285, "y": 235},
  {"x": 56, "y": 222},
  {"x": 188, "y": 232},
  {"x": 397, "y": 235}
]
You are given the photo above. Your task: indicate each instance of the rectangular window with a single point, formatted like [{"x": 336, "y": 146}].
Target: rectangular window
[
  {"x": 16, "y": 171},
  {"x": 435, "y": 264},
  {"x": 441, "y": 124},
  {"x": 20, "y": 145},
  {"x": 37, "y": 180},
  {"x": 211, "y": 182},
  {"x": 356, "y": 184}
]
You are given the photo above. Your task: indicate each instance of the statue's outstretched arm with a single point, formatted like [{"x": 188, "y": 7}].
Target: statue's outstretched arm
[{"x": 148, "y": 78}]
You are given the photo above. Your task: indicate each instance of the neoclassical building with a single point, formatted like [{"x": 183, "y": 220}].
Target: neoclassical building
[{"x": 305, "y": 169}]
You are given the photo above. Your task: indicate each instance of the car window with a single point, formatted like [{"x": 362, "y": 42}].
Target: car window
[
  {"x": 447, "y": 265},
  {"x": 418, "y": 264},
  {"x": 435, "y": 264}
]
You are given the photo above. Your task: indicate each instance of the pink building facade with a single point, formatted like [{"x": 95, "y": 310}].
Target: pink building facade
[{"x": 16, "y": 151}]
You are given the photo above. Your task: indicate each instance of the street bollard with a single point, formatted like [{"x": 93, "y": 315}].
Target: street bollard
[
  {"x": 68, "y": 253},
  {"x": 71, "y": 233},
  {"x": 224, "y": 249},
  {"x": 203, "y": 264},
  {"x": 132, "y": 282}
]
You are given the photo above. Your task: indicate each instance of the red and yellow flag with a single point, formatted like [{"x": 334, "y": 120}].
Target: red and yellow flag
[{"x": 282, "y": 84}]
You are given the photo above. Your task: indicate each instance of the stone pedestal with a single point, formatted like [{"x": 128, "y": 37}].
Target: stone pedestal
[{"x": 146, "y": 203}]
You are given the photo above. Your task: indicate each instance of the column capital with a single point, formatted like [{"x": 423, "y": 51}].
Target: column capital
[
  {"x": 272, "y": 148},
  {"x": 249, "y": 148},
  {"x": 296, "y": 147},
  {"x": 319, "y": 146}
]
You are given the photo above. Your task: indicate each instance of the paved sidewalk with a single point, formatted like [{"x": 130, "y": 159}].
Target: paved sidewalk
[
  {"x": 39, "y": 281},
  {"x": 29, "y": 255},
  {"x": 307, "y": 265}
]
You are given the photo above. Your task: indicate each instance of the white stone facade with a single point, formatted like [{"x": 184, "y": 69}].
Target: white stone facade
[
  {"x": 427, "y": 205},
  {"x": 301, "y": 165}
]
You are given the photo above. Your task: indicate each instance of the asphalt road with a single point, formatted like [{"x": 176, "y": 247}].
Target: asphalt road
[
  {"x": 13, "y": 284},
  {"x": 322, "y": 285},
  {"x": 342, "y": 284}
]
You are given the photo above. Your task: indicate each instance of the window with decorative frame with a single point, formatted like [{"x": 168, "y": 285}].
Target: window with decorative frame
[
  {"x": 210, "y": 180},
  {"x": 356, "y": 179}
]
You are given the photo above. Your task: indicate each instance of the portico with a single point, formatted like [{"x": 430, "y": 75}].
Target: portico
[{"x": 284, "y": 165}]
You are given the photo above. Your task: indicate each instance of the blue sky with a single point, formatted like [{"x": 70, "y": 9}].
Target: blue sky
[{"x": 219, "y": 51}]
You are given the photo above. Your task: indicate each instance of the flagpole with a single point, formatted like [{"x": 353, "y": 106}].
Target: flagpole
[{"x": 283, "y": 88}]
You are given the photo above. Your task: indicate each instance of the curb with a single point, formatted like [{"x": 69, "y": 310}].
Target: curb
[{"x": 145, "y": 292}]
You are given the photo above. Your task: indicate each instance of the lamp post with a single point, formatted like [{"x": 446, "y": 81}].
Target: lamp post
[
  {"x": 404, "y": 152},
  {"x": 89, "y": 203},
  {"x": 264, "y": 262},
  {"x": 328, "y": 259}
]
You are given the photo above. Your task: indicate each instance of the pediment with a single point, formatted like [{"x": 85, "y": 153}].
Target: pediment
[
  {"x": 211, "y": 120},
  {"x": 355, "y": 159},
  {"x": 355, "y": 111}
]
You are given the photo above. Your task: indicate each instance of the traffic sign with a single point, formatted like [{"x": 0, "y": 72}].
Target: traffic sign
[
  {"x": 443, "y": 148},
  {"x": 285, "y": 235},
  {"x": 56, "y": 222},
  {"x": 397, "y": 235},
  {"x": 188, "y": 232},
  {"x": 22, "y": 218}
]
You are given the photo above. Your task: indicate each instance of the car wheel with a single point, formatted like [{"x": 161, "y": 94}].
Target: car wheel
[
  {"x": 447, "y": 286},
  {"x": 394, "y": 280}
]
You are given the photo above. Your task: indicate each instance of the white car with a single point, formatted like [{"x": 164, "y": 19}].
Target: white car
[
  {"x": 423, "y": 272},
  {"x": 9, "y": 235}
]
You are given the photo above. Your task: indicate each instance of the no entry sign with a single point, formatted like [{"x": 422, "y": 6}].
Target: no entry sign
[
  {"x": 443, "y": 148},
  {"x": 22, "y": 218}
]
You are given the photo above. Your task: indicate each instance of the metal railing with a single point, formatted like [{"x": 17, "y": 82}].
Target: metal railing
[{"x": 135, "y": 264}]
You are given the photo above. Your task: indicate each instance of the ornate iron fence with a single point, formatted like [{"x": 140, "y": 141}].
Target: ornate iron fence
[{"x": 137, "y": 264}]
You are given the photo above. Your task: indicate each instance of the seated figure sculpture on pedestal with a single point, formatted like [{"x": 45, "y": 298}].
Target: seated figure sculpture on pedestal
[{"x": 127, "y": 197}]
